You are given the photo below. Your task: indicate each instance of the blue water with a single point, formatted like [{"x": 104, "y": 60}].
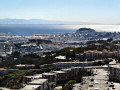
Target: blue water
[{"x": 29, "y": 29}]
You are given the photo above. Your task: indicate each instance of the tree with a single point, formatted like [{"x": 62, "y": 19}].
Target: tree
[
  {"x": 109, "y": 40},
  {"x": 69, "y": 85},
  {"x": 16, "y": 54}
]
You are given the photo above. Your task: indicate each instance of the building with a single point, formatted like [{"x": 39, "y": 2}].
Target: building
[
  {"x": 114, "y": 72},
  {"x": 100, "y": 54},
  {"x": 4, "y": 71},
  {"x": 61, "y": 75},
  {"x": 60, "y": 57},
  {"x": 42, "y": 82},
  {"x": 76, "y": 70},
  {"x": 58, "y": 88},
  {"x": 32, "y": 87},
  {"x": 70, "y": 73},
  {"x": 31, "y": 78},
  {"x": 99, "y": 81},
  {"x": 77, "y": 64},
  {"x": 52, "y": 77},
  {"x": 25, "y": 66}
]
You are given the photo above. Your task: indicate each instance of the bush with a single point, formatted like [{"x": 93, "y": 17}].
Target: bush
[{"x": 69, "y": 85}]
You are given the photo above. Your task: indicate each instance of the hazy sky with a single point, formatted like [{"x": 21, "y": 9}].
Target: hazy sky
[{"x": 100, "y": 11}]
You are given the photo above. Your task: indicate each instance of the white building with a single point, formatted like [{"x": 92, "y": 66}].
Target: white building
[
  {"x": 32, "y": 87},
  {"x": 42, "y": 82}
]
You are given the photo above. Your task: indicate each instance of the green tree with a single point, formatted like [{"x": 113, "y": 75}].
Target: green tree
[
  {"x": 16, "y": 54},
  {"x": 69, "y": 85}
]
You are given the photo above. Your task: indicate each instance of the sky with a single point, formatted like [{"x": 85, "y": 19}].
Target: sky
[{"x": 97, "y": 11}]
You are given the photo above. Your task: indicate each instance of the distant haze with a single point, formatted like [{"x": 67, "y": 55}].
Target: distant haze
[
  {"x": 40, "y": 21},
  {"x": 100, "y": 28}
]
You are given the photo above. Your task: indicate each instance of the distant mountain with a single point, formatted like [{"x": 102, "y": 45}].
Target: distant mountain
[
  {"x": 22, "y": 21},
  {"x": 85, "y": 30},
  {"x": 38, "y": 21}
]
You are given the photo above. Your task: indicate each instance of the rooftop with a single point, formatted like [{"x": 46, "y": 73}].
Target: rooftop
[
  {"x": 115, "y": 66},
  {"x": 23, "y": 65},
  {"x": 7, "y": 69},
  {"x": 59, "y": 71},
  {"x": 66, "y": 69},
  {"x": 30, "y": 87},
  {"x": 58, "y": 88},
  {"x": 34, "y": 76},
  {"x": 77, "y": 62},
  {"x": 49, "y": 73},
  {"x": 38, "y": 82},
  {"x": 60, "y": 57}
]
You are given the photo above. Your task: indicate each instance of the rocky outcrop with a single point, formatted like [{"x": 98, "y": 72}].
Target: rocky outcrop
[{"x": 85, "y": 30}]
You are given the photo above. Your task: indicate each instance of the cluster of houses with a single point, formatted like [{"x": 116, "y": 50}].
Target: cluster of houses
[
  {"x": 49, "y": 79},
  {"x": 99, "y": 54},
  {"x": 98, "y": 81},
  {"x": 53, "y": 78},
  {"x": 77, "y": 64}
]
